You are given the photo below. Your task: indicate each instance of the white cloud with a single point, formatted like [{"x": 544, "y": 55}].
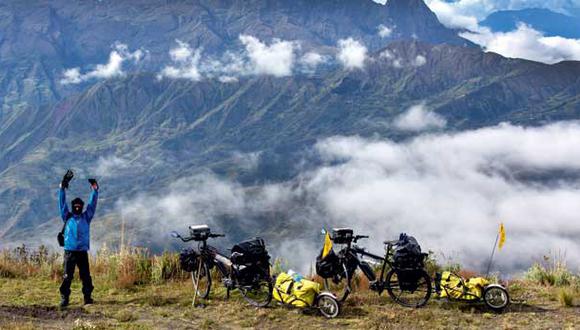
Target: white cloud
[
  {"x": 276, "y": 59},
  {"x": 524, "y": 42},
  {"x": 311, "y": 60},
  {"x": 113, "y": 68},
  {"x": 257, "y": 58},
  {"x": 451, "y": 191},
  {"x": 186, "y": 63},
  {"x": 384, "y": 31},
  {"x": 453, "y": 15},
  {"x": 453, "y": 12},
  {"x": 419, "y": 60},
  {"x": 527, "y": 43},
  {"x": 418, "y": 118},
  {"x": 247, "y": 161},
  {"x": 351, "y": 53},
  {"x": 399, "y": 62},
  {"x": 448, "y": 190},
  {"x": 110, "y": 166}
]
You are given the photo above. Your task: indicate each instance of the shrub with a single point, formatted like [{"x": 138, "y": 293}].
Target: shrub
[
  {"x": 566, "y": 297},
  {"x": 552, "y": 271}
]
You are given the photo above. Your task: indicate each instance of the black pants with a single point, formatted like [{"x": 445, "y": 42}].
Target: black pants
[{"x": 78, "y": 259}]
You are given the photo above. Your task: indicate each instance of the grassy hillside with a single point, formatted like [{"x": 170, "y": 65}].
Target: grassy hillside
[{"x": 137, "y": 291}]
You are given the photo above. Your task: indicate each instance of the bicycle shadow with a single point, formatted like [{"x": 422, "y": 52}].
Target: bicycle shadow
[{"x": 481, "y": 308}]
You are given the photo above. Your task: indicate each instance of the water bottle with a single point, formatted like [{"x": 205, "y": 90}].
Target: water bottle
[{"x": 297, "y": 277}]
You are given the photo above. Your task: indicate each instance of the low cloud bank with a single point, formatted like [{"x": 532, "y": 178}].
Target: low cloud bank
[{"x": 449, "y": 190}]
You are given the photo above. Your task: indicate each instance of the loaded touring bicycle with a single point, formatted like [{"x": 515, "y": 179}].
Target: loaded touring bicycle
[
  {"x": 402, "y": 274},
  {"x": 247, "y": 269}
]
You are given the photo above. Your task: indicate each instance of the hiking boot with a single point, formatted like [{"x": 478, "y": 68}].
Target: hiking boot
[
  {"x": 89, "y": 301},
  {"x": 63, "y": 302}
]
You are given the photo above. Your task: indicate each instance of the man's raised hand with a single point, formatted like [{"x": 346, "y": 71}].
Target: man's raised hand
[
  {"x": 66, "y": 179},
  {"x": 94, "y": 184}
]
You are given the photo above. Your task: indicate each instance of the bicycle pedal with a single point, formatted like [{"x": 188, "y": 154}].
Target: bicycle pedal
[{"x": 374, "y": 286}]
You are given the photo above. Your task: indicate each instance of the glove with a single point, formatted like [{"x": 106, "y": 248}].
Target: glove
[
  {"x": 94, "y": 184},
  {"x": 66, "y": 179}
]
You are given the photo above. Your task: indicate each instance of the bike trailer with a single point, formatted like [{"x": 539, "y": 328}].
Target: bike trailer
[
  {"x": 297, "y": 293},
  {"x": 453, "y": 286}
]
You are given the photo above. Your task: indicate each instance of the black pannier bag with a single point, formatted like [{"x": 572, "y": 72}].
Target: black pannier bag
[
  {"x": 409, "y": 278},
  {"x": 408, "y": 253},
  {"x": 251, "y": 260},
  {"x": 188, "y": 260},
  {"x": 252, "y": 251},
  {"x": 329, "y": 266}
]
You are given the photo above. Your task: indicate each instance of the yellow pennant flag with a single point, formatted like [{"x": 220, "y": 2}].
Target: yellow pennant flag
[
  {"x": 501, "y": 236},
  {"x": 327, "y": 245}
]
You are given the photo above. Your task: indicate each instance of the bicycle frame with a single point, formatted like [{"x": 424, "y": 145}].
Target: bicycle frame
[
  {"x": 380, "y": 281},
  {"x": 210, "y": 255}
]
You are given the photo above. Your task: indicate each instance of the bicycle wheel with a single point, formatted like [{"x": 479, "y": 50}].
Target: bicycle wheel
[
  {"x": 496, "y": 297},
  {"x": 411, "y": 289},
  {"x": 327, "y": 305},
  {"x": 341, "y": 288},
  {"x": 258, "y": 294},
  {"x": 203, "y": 279}
]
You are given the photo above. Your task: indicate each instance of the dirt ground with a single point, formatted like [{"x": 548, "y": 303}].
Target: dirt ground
[{"x": 32, "y": 304}]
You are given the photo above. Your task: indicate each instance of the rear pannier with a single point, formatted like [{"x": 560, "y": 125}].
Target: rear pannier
[
  {"x": 408, "y": 253},
  {"x": 251, "y": 260}
]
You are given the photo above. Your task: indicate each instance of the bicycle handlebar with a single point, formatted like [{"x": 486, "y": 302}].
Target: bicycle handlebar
[
  {"x": 191, "y": 238},
  {"x": 357, "y": 237},
  {"x": 391, "y": 242}
]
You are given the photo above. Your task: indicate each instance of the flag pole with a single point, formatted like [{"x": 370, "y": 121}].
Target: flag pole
[{"x": 492, "y": 253}]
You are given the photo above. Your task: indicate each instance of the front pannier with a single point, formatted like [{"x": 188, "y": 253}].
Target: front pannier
[
  {"x": 188, "y": 259},
  {"x": 328, "y": 266}
]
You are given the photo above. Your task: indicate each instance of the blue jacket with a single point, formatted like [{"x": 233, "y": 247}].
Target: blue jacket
[{"x": 77, "y": 233}]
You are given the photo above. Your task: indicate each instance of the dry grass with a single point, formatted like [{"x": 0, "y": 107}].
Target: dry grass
[
  {"x": 552, "y": 271},
  {"x": 137, "y": 290},
  {"x": 122, "y": 269}
]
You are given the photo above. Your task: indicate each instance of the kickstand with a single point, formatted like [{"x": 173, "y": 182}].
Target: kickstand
[{"x": 195, "y": 285}]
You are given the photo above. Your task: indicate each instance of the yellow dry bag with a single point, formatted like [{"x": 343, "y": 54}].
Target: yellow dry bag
[{"x": 297, "y": 293}]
